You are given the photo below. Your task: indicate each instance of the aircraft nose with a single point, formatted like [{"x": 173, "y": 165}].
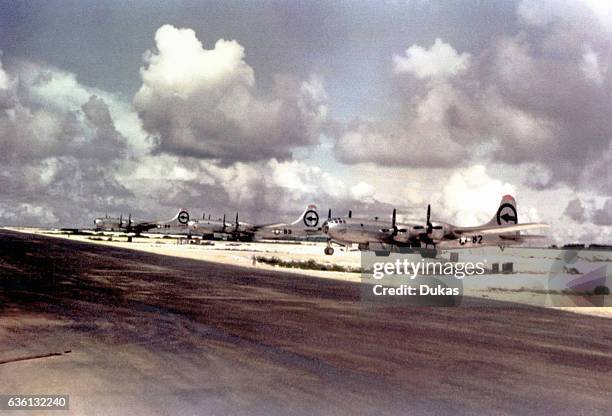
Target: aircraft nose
[
  {"x": 325, "y": 227},
  {"x": 331, "y": 228}
]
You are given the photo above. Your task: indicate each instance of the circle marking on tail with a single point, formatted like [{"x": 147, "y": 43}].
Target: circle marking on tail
[
  {"x": 506, "y": 214},
  {"x": 311, "y": 218},
  {"x": 183, "y": 217}
]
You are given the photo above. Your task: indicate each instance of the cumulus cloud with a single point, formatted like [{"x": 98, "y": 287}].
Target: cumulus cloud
[
  {"x": 603, "y": 216},
  {"x": 591, "y": 68},
  {"x": 204, "y": 102},
  {"x": 439, "y": 61},
  {"x": 3, "y": 78},
  {"x": 471, "y": 196},
  {"x": 363, "y": 191},
  {"x": 57, "y": 162},
  {"x": 416, "y": 143},
  {"x": 534, "y": 99},
  {"x": 71, "y": 152},
  {"x": 423, "y": 134},
  {"x": 542, "y": 13},
  {"x": 575, "y": 210}
]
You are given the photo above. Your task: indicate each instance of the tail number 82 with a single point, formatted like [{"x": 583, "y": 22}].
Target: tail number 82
[{"x": 476, "y": 239}]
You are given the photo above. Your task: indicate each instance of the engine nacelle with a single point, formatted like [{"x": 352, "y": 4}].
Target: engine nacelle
[{"x": 407, "y": 236}]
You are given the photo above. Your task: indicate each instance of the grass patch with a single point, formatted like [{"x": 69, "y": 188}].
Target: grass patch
[{"x": 309, "y": 264}]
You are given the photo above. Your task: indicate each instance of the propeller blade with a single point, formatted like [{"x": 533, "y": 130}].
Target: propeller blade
[
  {"x": 223, "y": 228},
  {"x": 393, "y": 222},
  {"x": 208, "y": 217},
  {"x": 130, "y": 220},
  {"x": 429, "y": 224},
  {"x": 350, "y": 215},
  {"x": 203, "y": 215},
  {"x": 237, "y": 224},
  {"x": 329, "y": 214}
]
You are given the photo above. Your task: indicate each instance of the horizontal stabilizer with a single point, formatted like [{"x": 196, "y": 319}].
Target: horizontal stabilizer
[
  {"x": 500, "y": 229},
  {"x": 521, "y": 237}
]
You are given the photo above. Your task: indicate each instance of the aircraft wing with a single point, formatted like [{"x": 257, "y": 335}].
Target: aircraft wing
[
  {"x": 500, "y": 229},
  {"x": 260, "y": 226}
]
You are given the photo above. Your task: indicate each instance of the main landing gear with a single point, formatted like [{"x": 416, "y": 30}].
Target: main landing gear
[{"x": 329, "y": 250}]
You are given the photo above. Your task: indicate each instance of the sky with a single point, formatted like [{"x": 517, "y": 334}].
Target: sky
[{"x": 264, "y": 107}]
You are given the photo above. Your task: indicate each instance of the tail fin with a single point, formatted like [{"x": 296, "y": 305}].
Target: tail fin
[
  {"x": 504, "y": 223},
  {"x": 181, "y": 218},
  {"x": 506, "y": 212},
  {"x": 310, "y": 217}
]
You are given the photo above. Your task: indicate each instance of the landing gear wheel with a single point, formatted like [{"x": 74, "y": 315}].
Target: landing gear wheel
[{"x": 329, "y": 251}]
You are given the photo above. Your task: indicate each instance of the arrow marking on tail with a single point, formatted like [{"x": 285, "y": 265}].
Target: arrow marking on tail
[
  {"x": 183, "y": 217},
  {"x": 507, "y": 217},
  {"x": 507, "y": 213},
  {"x": 311, "y": 218}
]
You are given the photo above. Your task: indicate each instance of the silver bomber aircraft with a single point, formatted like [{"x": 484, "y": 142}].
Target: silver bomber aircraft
[
  {"x": 307, "y": 224},
  {"x": 107, "y": 223},
  {"x": 207, "y": 228},
  {"x": 502, "y": 230},
  {"x": 175, "y": 225}
]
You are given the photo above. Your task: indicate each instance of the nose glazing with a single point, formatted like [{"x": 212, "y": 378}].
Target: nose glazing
[{"x": 325, "y": 227}]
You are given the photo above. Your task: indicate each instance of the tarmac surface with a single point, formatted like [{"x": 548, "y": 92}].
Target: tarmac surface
[{"x": 127, "y": 332}]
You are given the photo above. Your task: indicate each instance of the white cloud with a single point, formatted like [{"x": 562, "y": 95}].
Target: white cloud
[
  {"x": 4, "y": 80},
  {"x": 439, "y": 61},
  {"x": 471, "y": 196},
  {"x": 525, "y": 100},
  {"x": 544, "y": 12},
  {"x": 590, "y": 66},
  {"x": 181, "y": 66},
  {"x": 410, "y": 142},
  {"x": 363, "y": 192},
  {"x": 27, "y": 214},
  {"x": 60, "y": 91},
  {"x": 204, "y": 103}
]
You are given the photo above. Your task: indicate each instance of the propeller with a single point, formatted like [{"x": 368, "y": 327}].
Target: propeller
[
  {"x": 426, "y": 236},
  {"x": 394, "y": 224},
  {"x": 430, "y": 226},
  {"x": 394, "y": 230}
]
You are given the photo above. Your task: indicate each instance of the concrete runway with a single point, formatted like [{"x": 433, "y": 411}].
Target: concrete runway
[{"x": 137, "y": 333}]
